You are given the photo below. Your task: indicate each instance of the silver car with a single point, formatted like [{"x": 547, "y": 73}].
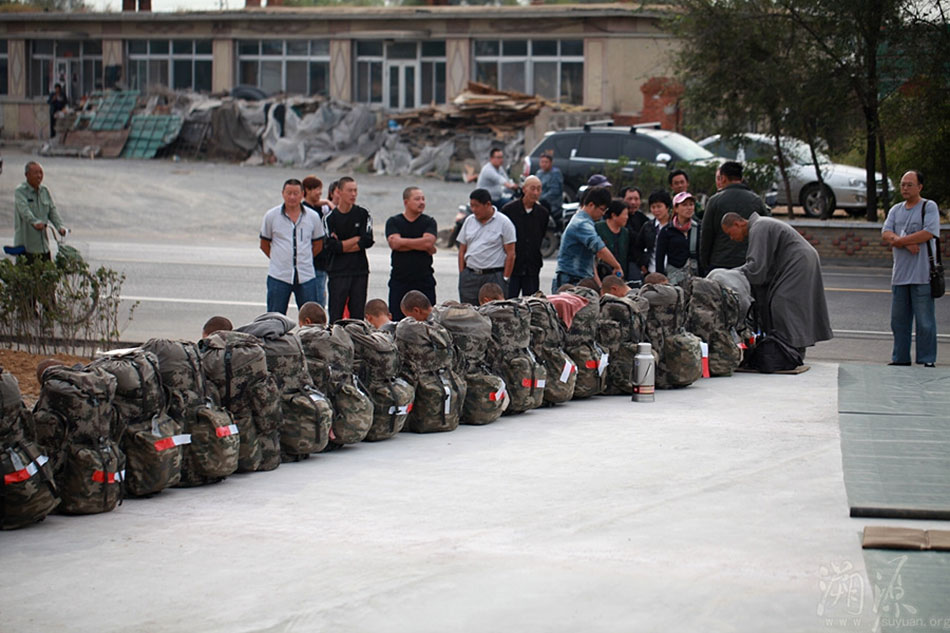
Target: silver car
[{"x": 845, "y": 185}]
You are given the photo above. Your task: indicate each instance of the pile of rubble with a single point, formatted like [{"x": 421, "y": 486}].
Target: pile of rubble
[{"x": 446, "y": 141}]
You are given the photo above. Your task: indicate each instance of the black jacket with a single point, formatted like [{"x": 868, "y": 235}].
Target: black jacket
[{"x": 342, "y": 226}]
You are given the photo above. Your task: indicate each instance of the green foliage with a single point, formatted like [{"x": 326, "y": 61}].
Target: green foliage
[{"x": 51, "y": 307}]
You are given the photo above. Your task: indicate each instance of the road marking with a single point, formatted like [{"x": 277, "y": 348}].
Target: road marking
[
  {"x": 873, "y": 333},
  {"x": 875, "y": 290},
  {"x": 213, "y": 302}
]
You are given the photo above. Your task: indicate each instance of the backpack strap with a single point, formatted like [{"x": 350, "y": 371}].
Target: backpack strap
[
  {"x": 228, "y": 373},
  {"x": 930, "y": 251}
]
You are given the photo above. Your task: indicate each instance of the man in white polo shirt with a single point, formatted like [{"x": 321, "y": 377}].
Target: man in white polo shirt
[
  {"x": 291, "y": 235},
  {"x": 486, "y": 248}
]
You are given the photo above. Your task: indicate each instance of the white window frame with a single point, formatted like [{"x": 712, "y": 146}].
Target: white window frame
[
  {"x": 529, "y": 59},
  {"x": 318, "y": 52},
  {"x": 169, "y": 57}
]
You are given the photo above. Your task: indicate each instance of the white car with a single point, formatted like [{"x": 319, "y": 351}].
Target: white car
[{"x": 845, "y": 185}]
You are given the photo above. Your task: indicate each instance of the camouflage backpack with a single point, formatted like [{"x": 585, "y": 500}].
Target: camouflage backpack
[
  {"x": 713, "y": 315},
  {"x": 619, "y": 328},
  {"x": 28, "y": 492},
  {"x": 511, "y": 356},
  {"x": 330, "y": 360},
  {"x": 580, "y": 342},
  {"x": 306, "y": 413},
  {"x": 679, "y": 358},
  {"x": 485, "y": 394},
  {"x": 152, "y": 441},
  {"x": 235, "y": 364},
  {"x": 428, "y": 356},
  {"x": 547, "y": 344},
  {"x": 376, "y": 363},
  {"x": 213, "y": 452},
  {"x": 76, "y": 423}
]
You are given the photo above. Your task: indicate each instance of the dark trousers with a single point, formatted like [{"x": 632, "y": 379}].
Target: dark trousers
[
  {"x": 343, "y": 289},
  {"x": 398, "y": 290},
  {"x": 525, "y": 285},
  {"x": 563, "y": 278},
  {"x": 470, "y": 283}
]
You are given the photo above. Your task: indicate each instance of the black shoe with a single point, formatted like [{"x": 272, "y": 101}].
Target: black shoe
[
  {"x": 930, "y": 364},
  {"x": 896, "y": 364}
]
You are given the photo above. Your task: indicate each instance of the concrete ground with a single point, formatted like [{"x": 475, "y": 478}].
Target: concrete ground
[{"x": 719, "y": 507}]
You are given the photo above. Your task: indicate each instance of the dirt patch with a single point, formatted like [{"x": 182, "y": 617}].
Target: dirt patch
[{"x": 23, "y": 366}]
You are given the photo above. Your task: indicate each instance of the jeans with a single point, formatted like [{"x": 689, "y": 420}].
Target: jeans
[
  {"x": 321, "y": 278},
  {"x": 563, "y": 278},
  {"x": 278, "y": 294},
  {"x": 909, "y": 304}
]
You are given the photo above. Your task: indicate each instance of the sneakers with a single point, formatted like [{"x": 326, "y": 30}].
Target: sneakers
[
  {"x": 896, "y": 364},
  {"x": 930, "y": 364}
]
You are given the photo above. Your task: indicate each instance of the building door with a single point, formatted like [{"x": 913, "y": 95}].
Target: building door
[
  {"x": 68, "y": 76},
  {"x": 402, "y": 84}
]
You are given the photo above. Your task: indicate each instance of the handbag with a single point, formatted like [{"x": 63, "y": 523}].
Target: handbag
[{"x": 938, "y": 284}]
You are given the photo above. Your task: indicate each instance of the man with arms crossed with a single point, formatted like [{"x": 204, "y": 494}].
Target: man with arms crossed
[{"x": 411, "y": 236}]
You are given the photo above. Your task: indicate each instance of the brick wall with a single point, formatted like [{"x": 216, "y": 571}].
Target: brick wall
[{"x": 853, "y": 242}]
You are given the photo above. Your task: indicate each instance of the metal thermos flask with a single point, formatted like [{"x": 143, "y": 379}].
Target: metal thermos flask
[{"x": 644, "y": 374}]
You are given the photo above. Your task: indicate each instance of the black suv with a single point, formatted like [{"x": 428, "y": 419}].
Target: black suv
[{"x": 581, "y": 152}]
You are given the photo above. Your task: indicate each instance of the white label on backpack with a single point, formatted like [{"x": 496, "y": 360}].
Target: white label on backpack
[
  {"x": 604, "y": 361},
  {"x": 704, "y": 346},
  {"x": 403, "y": 410},
  {"x": 540, "y": 383},
  {"x": 226, "y": 431},
  {"x": 569, "y": 368},
  {"x": 495, "y": 396},
  {"x": 170, "y": 442},
  {"x": 317, "y": 397}
]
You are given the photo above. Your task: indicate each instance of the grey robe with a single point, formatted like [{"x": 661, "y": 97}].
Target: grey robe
[{"x": 787, "y": 270}]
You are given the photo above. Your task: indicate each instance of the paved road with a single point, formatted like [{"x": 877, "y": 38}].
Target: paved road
[{"x": 185, "y": 235}]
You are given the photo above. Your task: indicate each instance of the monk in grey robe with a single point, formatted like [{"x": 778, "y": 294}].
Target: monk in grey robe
[{"x": 785, "y": 271}]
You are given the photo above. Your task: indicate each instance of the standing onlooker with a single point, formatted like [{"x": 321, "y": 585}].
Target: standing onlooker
[
  {"x": 531, "y": 223},
  {"x": 486, "y": 248},
  {"x": 716, "y": 250},
  {"x": 909, "y": 228},
  {"x": 313, "y": 198},
  {"x": 351, "y": 233},
  {"x": 580, "y": 244},
  {"x": 493, "y": 178},
  {"x": 34, "y": 209},
  {"x": 679, "y": 182},
  {"x": 57, "y": 101},
  {"x": 613, "y": 231},
  {"x": 552, "y": 183},
  {"x": 677, "y": 245},
  {"x": 636, "y": 218},
  {"x": 411, "y": 236},
  {"x": 291, "y": 234},
  {"x": 645, "y": 242}
]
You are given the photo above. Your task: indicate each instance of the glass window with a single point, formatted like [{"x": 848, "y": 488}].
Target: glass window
[
  {"x": 512, "y": 76},
  {"x": 369, "y": 49},
  {"x": 202, "y": 47},
  {"x": 138, "y": 47},
  {"x": 92, "y": 47},
  {"x": 394, "y": 87},
  {"x": 546, "y": 48},
  {"x": 91, "y": 75},
  {"x": 487, "y": 73},
  {"x": 158, "y": 47},
  {"x": 298, "y": 47},
  {"x": 272, "y": 47},
  {"x": 249, "y": 47},
  {"x": 410, "y": 88},
  {"x": 433, "y": 49},
  {"x": 202, "y": 76},
  {"x": 247, "y": 73},
  {"x": 3, "y": 47},
  {"x": 67, "y": 48},
  {"x": 182, "y": 71},
  {"x": 182, "y": 47},
  {"x": 158, "y": 72},
  {"x": 297, "y": 75},
  {"x": 545, "y": 80},
  {"x": 572, "y": 48},
  {"x": 514, "y": 48},
  {"x": 271, "y": 77},
  {"x": 572, "y": 82},
  {"x": 487, "y": 48},
  {"x": 320, "y": 48},
  {"x": 401, "y": 50},
  {"x": 319, "y": 78},
  {"x": 640, "y": 148}
]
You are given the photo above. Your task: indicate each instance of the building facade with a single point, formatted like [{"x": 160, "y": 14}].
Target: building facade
[{"x": 395, "y": 58}]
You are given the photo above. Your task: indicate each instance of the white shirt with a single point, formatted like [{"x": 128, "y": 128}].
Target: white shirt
[
  {"x": 287, "y": 238},
  {"x": 485, "y": 243}
]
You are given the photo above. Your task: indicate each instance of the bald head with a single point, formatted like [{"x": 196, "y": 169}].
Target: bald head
[
  {"x": 735, "y": 226},
  {"x": 532, "y": 191}
]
